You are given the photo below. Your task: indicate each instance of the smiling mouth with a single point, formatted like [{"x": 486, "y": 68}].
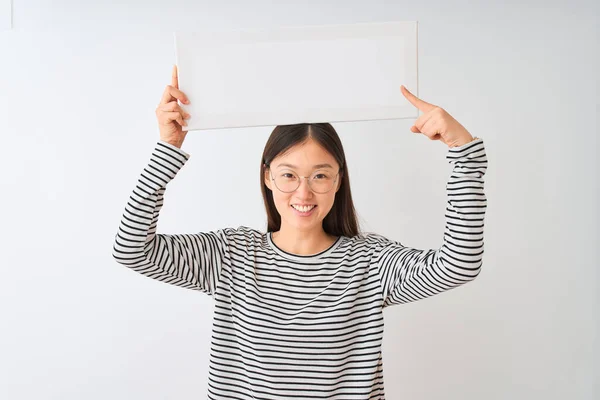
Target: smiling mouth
[{"x": 304, "y": 209}]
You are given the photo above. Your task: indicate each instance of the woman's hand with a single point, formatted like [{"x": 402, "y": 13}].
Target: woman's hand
[
  {"x": 171, "y": 117},
  {"x": 436, "y": 123}
]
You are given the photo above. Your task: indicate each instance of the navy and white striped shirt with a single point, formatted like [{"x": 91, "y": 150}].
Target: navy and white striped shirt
[{"x": 301, "y": 327}]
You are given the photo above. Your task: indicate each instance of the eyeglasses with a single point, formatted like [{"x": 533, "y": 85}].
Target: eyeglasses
[{"x": 319, "y": 182}]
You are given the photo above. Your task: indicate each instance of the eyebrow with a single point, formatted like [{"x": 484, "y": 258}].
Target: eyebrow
[{"x": 314, "y": 166}]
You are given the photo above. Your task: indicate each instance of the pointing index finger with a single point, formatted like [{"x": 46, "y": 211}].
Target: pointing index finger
[{"x": 415, "y": 101}]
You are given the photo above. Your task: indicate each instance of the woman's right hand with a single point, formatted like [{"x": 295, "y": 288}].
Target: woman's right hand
[{"x": 171, "y": 117}]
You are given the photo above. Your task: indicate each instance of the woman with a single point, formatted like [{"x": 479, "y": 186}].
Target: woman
[{"x": 299, "y": 308}]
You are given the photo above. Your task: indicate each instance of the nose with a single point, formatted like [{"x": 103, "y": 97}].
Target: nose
[{"x": 304, "y": 187}]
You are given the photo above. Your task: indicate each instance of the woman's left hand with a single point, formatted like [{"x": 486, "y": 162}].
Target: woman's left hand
[{"x": 436, "y": 123}]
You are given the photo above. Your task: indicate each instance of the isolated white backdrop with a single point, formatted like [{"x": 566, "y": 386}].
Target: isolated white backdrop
[{"x": 79, "y": 86}]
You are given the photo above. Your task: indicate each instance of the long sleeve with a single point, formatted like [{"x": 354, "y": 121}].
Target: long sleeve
[
  {"x": 191, "y": 261},
  {"x": 408, "y": 274}
]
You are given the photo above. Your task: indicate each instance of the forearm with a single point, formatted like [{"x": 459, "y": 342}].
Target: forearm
[{"x": 137, "y": 229}]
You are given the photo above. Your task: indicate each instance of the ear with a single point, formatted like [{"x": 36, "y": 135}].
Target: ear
[
  {"x": 267, "y": 177},
  {"x": 339, "y": 182}
]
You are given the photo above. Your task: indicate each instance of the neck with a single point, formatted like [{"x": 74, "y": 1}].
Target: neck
[{"x": 302, "y": 242}]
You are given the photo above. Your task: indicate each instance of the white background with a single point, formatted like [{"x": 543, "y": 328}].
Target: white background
[{"x": 79, "y": 83}]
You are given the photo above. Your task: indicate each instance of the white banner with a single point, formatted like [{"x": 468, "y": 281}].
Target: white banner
[{"x": 290, "y": 75}]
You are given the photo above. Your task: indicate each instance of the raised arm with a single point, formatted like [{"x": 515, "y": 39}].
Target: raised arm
[
  {"x": 408, "y": 274},
  {"x": 192, "y": 261}
]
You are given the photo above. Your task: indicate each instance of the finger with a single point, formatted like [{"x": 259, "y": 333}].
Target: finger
[
  {"x": 167, "y": 114},
  {"x": 173, "y": 116},
  {"x": 172, "y": 106},
  {"x": 431, "y": 128},
  {"x": 422, "y": 120},
  {"x": 172, "y": 93},
  {"x": 166, "y": 97},
  {"x": 415, "y": 101},
  {"x": 174, "y": 77}
]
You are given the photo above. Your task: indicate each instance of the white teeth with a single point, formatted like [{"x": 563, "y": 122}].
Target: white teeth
[{"x": 303, "y": 209}]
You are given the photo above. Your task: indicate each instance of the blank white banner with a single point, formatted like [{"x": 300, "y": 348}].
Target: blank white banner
[{"x": 289, "y": 75}]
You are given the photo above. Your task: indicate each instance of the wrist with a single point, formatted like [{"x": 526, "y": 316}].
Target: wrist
[
  {"x": 465, "y": 141},
  {"x": 176, "y": 143}
]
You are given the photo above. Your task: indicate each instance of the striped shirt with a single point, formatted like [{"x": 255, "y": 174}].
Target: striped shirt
[{"x": 291, "y": 326}]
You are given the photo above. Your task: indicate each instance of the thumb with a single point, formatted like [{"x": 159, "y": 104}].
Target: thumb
[
  {"x": 415, "y": 129},
  {"x": 175, "y": 77}
]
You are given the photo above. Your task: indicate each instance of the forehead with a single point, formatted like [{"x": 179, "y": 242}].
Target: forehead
[{"x": 308, "y": 155}]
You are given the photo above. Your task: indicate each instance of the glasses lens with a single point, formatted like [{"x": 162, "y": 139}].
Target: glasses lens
[
  {"x": 286, "y": 181},
  {"x": 320, "y": 182}
]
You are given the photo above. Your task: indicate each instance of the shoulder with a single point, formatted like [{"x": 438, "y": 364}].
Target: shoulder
[
  {"x": 242, "y": 235},
  {"x": 371, "y": 241},
  {"x": 373, "y": 238}
]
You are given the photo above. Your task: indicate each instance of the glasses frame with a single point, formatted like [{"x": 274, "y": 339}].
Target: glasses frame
[{"x": 300, "y": 182}]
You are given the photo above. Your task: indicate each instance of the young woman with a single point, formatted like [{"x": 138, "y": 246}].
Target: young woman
[{"x": 299, "y": 308}]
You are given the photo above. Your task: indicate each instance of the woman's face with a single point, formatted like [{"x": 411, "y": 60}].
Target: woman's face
[{"x": 306, "y": 159}]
